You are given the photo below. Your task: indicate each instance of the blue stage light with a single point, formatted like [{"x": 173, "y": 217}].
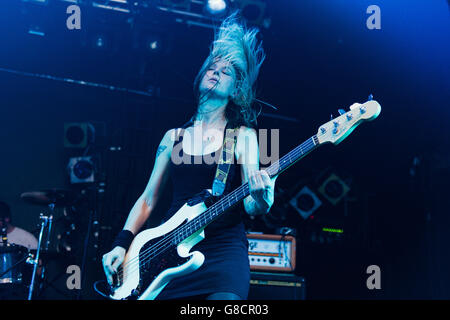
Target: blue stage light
[
  {"x": 216, "y": 7},
  {"x": 153, "y": 45},
  {"x": 100, "y": 42}
]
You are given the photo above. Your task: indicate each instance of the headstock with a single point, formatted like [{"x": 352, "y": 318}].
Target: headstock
[{"x": 339, "y": 128}]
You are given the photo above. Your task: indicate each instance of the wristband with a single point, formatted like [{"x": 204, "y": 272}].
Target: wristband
[{"x": 123, "y": 239}]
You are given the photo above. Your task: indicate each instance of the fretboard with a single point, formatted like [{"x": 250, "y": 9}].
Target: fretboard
[{"x": 243, "y": 191}]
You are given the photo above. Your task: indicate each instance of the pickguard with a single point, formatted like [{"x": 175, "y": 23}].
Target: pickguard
[{"x": 150, "y": 268}]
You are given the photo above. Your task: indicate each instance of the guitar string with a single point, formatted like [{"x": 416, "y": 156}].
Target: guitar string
[
  {"x": 168, "y": 239},
  {"x": 144, "y": 256},
  {"x": 152, "y": 252},
  {"x": 149, "y": 256},
  {"x": 163, "y": 244}
]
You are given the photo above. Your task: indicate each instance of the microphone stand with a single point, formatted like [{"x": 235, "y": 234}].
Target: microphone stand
[
  {"x": 45, "y": 222},
  {"x": 47, "y": 242}
]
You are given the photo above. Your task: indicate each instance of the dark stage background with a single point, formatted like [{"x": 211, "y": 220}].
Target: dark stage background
[{"x": 320, "y": 57}]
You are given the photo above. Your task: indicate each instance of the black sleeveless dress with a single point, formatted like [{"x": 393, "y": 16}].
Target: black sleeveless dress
[{"x": 225, "y": 247}]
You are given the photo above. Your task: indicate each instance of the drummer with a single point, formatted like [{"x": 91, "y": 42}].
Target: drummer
[{"x": 15, "y": 235}]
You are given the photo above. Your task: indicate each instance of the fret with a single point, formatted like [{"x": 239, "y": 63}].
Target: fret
[
  {"x": 315, "y": 140},
  {"x": 244, "y": 190},
  {"x": 271, "y": 170},
  {"x": 197, "y": 224},
  {"x": 283, "y": 163},
  {"x": 209, "y": 215}
]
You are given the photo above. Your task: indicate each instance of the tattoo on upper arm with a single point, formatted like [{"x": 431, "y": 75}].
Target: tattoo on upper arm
[
  {"x": 147, "y": 200},
  {"x": 160, "y": 150}
]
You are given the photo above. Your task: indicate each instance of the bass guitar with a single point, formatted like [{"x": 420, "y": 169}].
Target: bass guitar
[{"x": 158, "y": 255}]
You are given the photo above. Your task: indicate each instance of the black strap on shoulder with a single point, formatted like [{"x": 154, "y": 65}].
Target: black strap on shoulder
[{"x": 225, "y": 161}]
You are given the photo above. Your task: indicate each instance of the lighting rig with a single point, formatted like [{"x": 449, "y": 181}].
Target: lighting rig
[{"x": 202, "y": 13}]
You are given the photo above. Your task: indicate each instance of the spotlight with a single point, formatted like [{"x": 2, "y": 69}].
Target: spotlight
[
  {"x": 36, "y": 30},
  {"x": 150, "y": 40},
  {"x": 36, "y": 17},
  {"x": 78, "y": 135},
  {"x": 81, "y": 170},
  {"x": 153, "y": 43},
  {"x": 305, "y": 202},
  {"x": 253, "y": 10},
  {"x": 334, "y": 189},
  {"x": 216, "y": 7},
  {"x": 100, "y": 41}
]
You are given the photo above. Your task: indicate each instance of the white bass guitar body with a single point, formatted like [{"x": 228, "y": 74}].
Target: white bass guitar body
[
  {"x": 161, "y": 254},
  {"x": 154, "y": 257}
]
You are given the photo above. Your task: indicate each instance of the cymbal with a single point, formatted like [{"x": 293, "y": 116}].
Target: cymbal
[{"x": 58, "y": 197}]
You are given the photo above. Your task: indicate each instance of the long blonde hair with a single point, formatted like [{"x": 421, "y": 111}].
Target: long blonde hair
[{"x": 238, "y": 45}]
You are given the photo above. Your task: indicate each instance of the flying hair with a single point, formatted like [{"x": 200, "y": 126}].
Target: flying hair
[{"x": 238, "y": 45}]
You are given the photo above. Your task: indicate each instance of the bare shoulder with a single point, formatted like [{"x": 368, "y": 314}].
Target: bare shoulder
[
  {"x": 247, "y": 151},
  {"x": 246, "y": 133},
  {"x": 246, "y": 139},
  {"x": 167, "y": 142},
  {"x": 169, "y": 136}
]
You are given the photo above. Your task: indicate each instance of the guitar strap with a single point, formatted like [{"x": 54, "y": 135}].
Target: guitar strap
[{"x": 225, "y": 161}]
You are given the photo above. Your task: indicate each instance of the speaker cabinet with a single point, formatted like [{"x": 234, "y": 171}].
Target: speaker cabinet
[{"x": 276, "y": 286}]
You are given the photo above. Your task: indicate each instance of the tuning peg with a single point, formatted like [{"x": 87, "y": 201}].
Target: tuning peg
[
  {"x": 331, "y": 116},
  {"x": 370, "y": 97},
  {"x": 341, "y": 111},
  {"x": 336, "y": 125}
]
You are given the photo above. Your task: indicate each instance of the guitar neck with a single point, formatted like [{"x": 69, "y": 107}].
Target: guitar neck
[
  {"x": 244, "y": 190},
  {"x": 333, "y": 131},
  {"x": 292, "y": 157}
]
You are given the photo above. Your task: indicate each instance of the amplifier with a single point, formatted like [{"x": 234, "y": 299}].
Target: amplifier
[
  {"x": 276, "y": 286},
  {"x": 268, "y": 252}
]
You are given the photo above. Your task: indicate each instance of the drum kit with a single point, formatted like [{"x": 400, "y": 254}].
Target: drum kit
[{"x": 22, "y": 269}]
